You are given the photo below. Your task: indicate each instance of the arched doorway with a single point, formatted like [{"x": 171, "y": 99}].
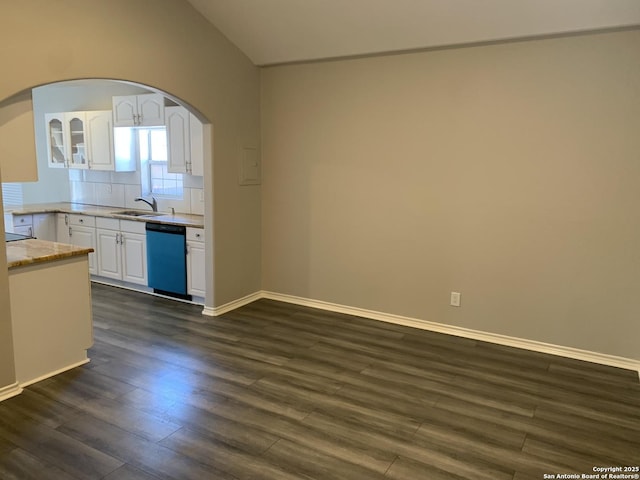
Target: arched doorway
[{"x": 104, "y": 187}]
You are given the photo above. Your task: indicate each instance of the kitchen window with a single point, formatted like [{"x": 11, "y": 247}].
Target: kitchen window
[{"x": 149, "y": 146}]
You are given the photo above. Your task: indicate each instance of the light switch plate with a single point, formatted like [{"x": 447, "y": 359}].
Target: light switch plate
[{"x": 455, "y": 299}]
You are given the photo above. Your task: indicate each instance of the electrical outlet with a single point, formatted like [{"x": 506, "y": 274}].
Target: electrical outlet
[{"x": 455, "y": 299}]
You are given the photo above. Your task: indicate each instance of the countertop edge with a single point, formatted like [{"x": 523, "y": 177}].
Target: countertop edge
[
  {"x": 109, "y": 212},
  {"x": 34, "y": 251}
]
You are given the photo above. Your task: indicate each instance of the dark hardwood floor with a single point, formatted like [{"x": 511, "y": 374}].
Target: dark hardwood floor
[{"x": 276, "y": 391}]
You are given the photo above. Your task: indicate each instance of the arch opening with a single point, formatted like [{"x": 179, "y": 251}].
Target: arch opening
[{"x": 113, "y": 189}]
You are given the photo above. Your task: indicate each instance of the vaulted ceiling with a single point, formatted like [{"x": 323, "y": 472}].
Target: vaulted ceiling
[{"x": 281, "y": 31}]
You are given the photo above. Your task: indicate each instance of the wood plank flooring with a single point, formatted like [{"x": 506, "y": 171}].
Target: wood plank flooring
[{"x": 276, "y": 391}]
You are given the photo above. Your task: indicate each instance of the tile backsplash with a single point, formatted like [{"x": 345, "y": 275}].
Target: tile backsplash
[{"x": 118, "y": 189}]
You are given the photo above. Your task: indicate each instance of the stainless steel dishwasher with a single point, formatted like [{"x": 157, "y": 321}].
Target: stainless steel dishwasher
[{"x": 167, "y": 260}]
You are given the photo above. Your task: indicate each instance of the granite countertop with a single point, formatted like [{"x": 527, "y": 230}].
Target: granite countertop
[
  {"x": 184, "y": 219},
  {"x": 28, "y": 252}
]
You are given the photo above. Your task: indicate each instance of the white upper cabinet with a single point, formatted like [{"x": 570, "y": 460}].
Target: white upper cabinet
[
  {"x": 84, "y": 140},
  {"x": 75, "y": 122},
  {"x": 100, "y": 140},
  {"x": 138, "y": 110},
  {"x": 178, "y": 142},
  {"x": 125, "y": 111},
  {"x": 56, "y": 140},
  {"x": 66, "y": 140},
  {"x": 196, "y": 130},
  {"x": 185, "y": 147},
  {"x": 151, "y": 110},
  {"x": 100, "y": 144}
]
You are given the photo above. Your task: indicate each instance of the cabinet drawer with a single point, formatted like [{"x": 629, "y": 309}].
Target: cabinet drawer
[
  {"x": 21, "y": 220},
  {"x": 108, "y": 223},
  {"x": 82, "y": 220},
  {"x": 131, "y": 226},
  {"x": 195, "y": 234}
]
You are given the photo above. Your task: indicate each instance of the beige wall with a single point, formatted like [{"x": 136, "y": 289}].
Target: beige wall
[
  {"x": 508, "y": 172},
  {"x": 7, "y": 365},
  {"x": 165, "y": 44},
  {"x": 17, "y": 148}
]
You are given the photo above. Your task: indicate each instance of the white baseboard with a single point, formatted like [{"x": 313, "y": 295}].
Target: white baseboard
[
  {"x": 142, "y": 289},
  {"x": 10, "y": 391},
  {"x": 227, "y": 307},
  {"x": 533, "y": 345},
  {"x": 54, "y": 373}
]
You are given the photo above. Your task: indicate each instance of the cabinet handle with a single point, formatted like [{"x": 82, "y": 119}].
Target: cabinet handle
[
  {"x": 81, "y": 220},
  {"x": 66, "y": 219},
  {"x": 70, "y": 233},
  {"x": 117, "y": 239},
  {"x": 197, "y": 235}
]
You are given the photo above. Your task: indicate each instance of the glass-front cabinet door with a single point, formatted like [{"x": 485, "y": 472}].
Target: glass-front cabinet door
[
  {"x": 77, "y": 152},
  {"x": 56, "y": 140},
  {"x": 66, "y": 140}
]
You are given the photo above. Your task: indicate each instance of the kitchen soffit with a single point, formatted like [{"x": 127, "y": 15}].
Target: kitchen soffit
[{"x": 282, "y": 31}]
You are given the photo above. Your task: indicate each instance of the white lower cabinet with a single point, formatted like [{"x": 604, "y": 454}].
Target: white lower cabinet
[
  {"x": 62, "y": 228},
  {"x": 79, "y": 230},
  {"x": 44, "y": 226},
  {"x": 195, "y": 262},
  {"x": 122, "y": 250},
  {"x": 38, "y": 225},
  {"x": 82, "y": 233},
  {"x": 23, "y": 225},
  {"x": 120, "y": 247}
]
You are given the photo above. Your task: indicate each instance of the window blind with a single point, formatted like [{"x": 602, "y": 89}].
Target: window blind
[{"x": 11, "y": 194}]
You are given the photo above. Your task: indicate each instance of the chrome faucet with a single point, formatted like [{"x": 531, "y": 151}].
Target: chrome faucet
[{"x": 153, "y": 204}]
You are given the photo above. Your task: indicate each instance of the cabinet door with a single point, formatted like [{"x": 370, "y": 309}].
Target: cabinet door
[
  {"x": 44, "y": 226},
  {"x": 195, "y": 269},
  {"x": 24, "y": 230},
  {"x": 125, "y": 110},
  {"x": 77, "y": 144},
  {"x": 178, "y": 139},
  {"x": 100, "y": 140},
  {"x": 56, "y": 140},
  {"x": 134, "y": 258},
  {"x": 151, "y": 110},
  {"x": 8, "y": 222},
  {"x": 62, "y": 228},
  {"x": 196, "y": 132},
  {"x": 85, "y": 237},
  {"x": 109, "y": 253}
]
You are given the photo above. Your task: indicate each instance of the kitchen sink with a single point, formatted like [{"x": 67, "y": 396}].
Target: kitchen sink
[{"x": 136, "y": 213}]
